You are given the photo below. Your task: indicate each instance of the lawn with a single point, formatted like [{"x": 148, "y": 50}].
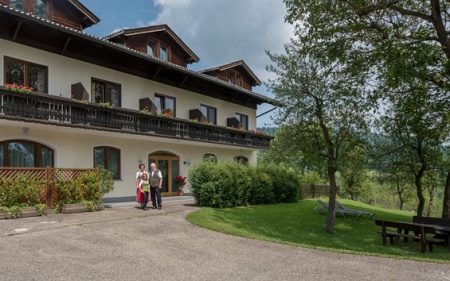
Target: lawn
[{"x": 298, "y": 224}]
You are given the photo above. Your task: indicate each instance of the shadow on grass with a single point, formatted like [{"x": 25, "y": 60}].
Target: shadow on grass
[{"x": 299, "y": 224}]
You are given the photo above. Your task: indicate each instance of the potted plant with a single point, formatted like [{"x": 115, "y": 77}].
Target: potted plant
[{"x": 180, "y": 181}]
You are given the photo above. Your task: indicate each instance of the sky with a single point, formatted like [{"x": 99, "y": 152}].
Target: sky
[{"x": 217, "y": 31}]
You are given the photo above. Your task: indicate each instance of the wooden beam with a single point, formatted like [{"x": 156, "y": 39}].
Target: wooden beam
[
  {"x": 184, "y": 80},
  {"x": 156, "y": 73},
  {"x": 16, "y": 31},
  {"x": 66, "y": 44},
  {"x": 245, "y": 103},
  {"x": 235, "y": 95}
]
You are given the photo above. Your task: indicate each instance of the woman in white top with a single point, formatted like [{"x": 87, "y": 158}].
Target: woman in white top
[{"x": 139, "y": 197}]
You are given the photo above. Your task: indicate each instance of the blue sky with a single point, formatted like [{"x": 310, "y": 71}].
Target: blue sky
[{"x": 217, "y": 31}]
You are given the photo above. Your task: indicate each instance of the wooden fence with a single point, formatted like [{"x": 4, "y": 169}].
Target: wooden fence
[
  {"x": 315, "y": 190},
  {"x": 48, "y": 176}
]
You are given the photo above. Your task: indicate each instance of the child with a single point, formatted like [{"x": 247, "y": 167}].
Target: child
[{"x": 144, "y": 188}]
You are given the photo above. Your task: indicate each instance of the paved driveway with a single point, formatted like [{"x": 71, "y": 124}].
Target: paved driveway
[{"x": 125, "y": 243}]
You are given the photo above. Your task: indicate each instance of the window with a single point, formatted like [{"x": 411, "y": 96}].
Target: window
[
  {"x": 165, "y": 104},
  {"x": 243, "y": 119},
  {"x": 209, "y": 112},
  {"x": 210, "y": 157},
  {"x": 39, "y": 7},
  {"x": 27, "y": 74},
  {"x": 241, "y": 160},
  {"x": 104, "y": 92},
  {"x": 20, "y": 153},
  {"x": 17, "y": 4},
  {"x": 150, "y": 49},
  {"x": 108, "y": 158},
  {"x": 163, "y": 53},
  {"x": 230, "y": 78}
]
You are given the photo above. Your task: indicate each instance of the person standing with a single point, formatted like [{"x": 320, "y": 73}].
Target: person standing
[
  {"x": 144, "y": 188},
  {"x": 138, "y": 180},
  {"x": 155, "y": 186}
]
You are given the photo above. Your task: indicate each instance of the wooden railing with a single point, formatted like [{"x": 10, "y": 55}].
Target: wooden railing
[
  {"x": 47, "y": 176},
  {"x": 42, "y": 108}
]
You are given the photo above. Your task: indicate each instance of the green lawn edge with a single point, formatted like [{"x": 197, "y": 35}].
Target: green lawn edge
[{"x": 298, "y": 224}]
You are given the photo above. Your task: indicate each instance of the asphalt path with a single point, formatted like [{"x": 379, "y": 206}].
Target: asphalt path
[{"x": 126, "y": 243}]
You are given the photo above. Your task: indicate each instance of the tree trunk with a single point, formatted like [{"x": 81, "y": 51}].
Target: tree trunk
[
  {"x": 400, "y": 196},
  {"x": 446, "y": 207},
  {"x": 418, "y": 181},
  {"x": 430, "y": 204},
  {"x": 332, "y": 201}
]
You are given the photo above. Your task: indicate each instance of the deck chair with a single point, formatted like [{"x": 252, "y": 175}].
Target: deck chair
[
  {"x": 342, "y": 207},
  {"x": 338, "y": 210}
]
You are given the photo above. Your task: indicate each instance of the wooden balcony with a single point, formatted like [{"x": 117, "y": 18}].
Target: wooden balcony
[{"x": 48, "y": 109}]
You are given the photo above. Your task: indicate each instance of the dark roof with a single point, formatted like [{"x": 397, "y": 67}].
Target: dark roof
[
  {"x": 92, "y": 19},
  {"x": 152, "y": 29},
  {"x": 233, "y": 65},
  {"x": 52, "y": 37}
]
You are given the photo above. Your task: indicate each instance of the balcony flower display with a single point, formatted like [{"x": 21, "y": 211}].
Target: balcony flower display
[
  {"x": 207, "y": 123},
  {"x": 19, "y": 88},
  {"x": 105, "y": 104},
  {"x": 258, "y": 132},
  {"x": 166, "y": 114},
  {"x": 145, "y": 111},
  {"x": 195, "y": 120}
]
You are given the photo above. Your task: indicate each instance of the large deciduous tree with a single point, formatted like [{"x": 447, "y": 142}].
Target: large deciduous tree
[
  {"x": 397, "y": 42},
  {"x": 324, "y": 108}
]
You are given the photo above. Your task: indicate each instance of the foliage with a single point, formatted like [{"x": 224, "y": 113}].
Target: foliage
[
  {"x": 106, "y": 181},
  {"x": 401, "y": 49},
  {"x": 227, "y": 185},
  {"x": 78, "y": 190},
  {"x": 41, "y": 209},
  {"x": 19, "y": 88},
  {"x": 324, "y": 107},
  {"x": 19, "y": 190},
  {"x": 298, "y": 224}
]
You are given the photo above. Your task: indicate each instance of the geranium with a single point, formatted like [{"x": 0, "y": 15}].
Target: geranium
[
  {"x": 19, "y": 88},
  {"x": 145, "y": 110},
  {"x": 195, "y": 120},
  {"x": 181, "y": 181},
  {"x": 105, "y": 104},
  {"x": 258, "y": 132}
]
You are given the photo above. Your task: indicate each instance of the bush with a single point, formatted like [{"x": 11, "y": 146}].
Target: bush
[
  {"x": 285, "y": 182},
  {"x": 86, "y": 188},
  {"x": 19, "y": 190},
  {"x": 229, "y": 185}
]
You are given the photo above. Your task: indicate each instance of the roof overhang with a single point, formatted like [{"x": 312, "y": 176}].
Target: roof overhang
[
  {"x": 58, "y": 39},
  {"x": 233, "y": 65}
]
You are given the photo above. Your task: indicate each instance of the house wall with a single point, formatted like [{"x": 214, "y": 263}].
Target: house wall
[
  {"x": 63, "y": 72},
  {"x": 74, "y": 148}
]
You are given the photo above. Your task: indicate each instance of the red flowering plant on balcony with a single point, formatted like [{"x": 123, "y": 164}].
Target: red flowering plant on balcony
[
  {"x": 166, "y": 114},
  {"x": 145, "y": 111},
  {"x": 258, "y": 132},
  {"x": 19, "y": 88},
  {"x": 180, "y": 181},
  {"x": 195, "y": 120}
]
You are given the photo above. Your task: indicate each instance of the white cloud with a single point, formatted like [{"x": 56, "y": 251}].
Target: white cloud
[{"x": 223, "y": 31}]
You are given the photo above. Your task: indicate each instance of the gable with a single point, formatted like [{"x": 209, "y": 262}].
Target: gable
[{"x": 155, "y": 37}]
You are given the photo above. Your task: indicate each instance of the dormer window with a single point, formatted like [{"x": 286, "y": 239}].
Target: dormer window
[
  {"x": 150, "y": 49},
  {"x": 163, "y": 53},
  {"x": 17, "y": 4},
  {"x": 39, "y": 7}
]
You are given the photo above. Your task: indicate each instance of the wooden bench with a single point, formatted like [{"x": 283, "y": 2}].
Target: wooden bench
[{"x": 403, "y": 229}]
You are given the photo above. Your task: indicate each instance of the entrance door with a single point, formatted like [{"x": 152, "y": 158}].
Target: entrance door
[{"x": 169, "y": 165}]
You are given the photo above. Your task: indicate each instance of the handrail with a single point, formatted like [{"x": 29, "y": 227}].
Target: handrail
[{"x": 43, "y": 108}]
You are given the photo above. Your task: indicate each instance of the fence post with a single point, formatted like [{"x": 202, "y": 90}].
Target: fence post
[{"x": 47, "y": 185}]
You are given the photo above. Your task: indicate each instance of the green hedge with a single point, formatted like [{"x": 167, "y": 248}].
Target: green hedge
[{"x": 227, "y": 185}]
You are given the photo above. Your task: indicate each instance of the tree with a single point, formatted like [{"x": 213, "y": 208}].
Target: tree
[
  {"x": 324, "y": 108},
  {"x": 353, "y": 172},
  {"x": 397, "y": 43}
]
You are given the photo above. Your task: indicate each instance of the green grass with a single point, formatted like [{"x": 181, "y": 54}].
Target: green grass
[{"x": 298, "y": 224}]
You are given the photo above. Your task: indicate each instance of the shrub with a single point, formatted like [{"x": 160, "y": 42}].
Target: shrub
[
  {"x": 228, "y": 184},
  {"x": 285, "y": 182},
  {"x": 106, "y": 181}
]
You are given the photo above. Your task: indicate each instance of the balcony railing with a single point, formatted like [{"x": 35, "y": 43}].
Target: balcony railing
[{"x": 42, "y": 108}]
